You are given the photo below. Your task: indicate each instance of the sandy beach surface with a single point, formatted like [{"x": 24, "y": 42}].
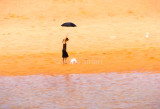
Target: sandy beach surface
[{"x": 114, "y": 33}]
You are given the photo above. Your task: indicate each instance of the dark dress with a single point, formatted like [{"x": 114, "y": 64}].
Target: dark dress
[{"x": 64, "y": 52}]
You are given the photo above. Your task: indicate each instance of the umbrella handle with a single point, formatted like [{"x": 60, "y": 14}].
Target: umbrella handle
[{"x": 67, "y": 35}]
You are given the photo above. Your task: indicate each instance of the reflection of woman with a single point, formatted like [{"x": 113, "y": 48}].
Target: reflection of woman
[{"x": 64, "y": 52}]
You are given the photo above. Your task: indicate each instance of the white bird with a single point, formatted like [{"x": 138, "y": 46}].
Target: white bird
[
  {"x": 73, "y": 61},
  {"x": 113, "y": 37},
  {"x": 147, "y": 35}
]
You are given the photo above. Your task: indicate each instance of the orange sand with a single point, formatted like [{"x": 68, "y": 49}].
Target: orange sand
[
  {"x": 110, "y": 30},
  {"x": 126, "y": 60}
]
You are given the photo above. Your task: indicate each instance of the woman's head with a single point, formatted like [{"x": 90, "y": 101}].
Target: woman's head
[{"x": 67, "y": 39}]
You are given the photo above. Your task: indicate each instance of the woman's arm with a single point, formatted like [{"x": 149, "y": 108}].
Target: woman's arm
[
  {"x": 64, "y": 40},
  {"x": 67, "y": 35}
]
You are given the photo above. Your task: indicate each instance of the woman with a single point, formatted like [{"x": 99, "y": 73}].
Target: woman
[{"x": 64, "y": 52}]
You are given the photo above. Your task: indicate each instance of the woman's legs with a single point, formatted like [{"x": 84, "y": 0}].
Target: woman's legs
[{"x": 64, "y": 60}]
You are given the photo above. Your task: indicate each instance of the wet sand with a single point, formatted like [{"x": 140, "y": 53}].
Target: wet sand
[{"x": 81, "y": 91}]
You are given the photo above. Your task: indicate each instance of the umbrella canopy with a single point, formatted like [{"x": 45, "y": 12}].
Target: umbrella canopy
[{"x": 68, "y": 24}]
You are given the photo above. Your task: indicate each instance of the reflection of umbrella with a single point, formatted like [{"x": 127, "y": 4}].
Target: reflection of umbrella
[{"x": 68, "y": 24}]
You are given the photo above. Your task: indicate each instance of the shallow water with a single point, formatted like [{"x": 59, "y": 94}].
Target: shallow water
[{"x": 81, "y": 91}]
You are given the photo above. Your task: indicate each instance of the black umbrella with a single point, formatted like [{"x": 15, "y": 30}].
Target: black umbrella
[{"x": 68, "y": 24}]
